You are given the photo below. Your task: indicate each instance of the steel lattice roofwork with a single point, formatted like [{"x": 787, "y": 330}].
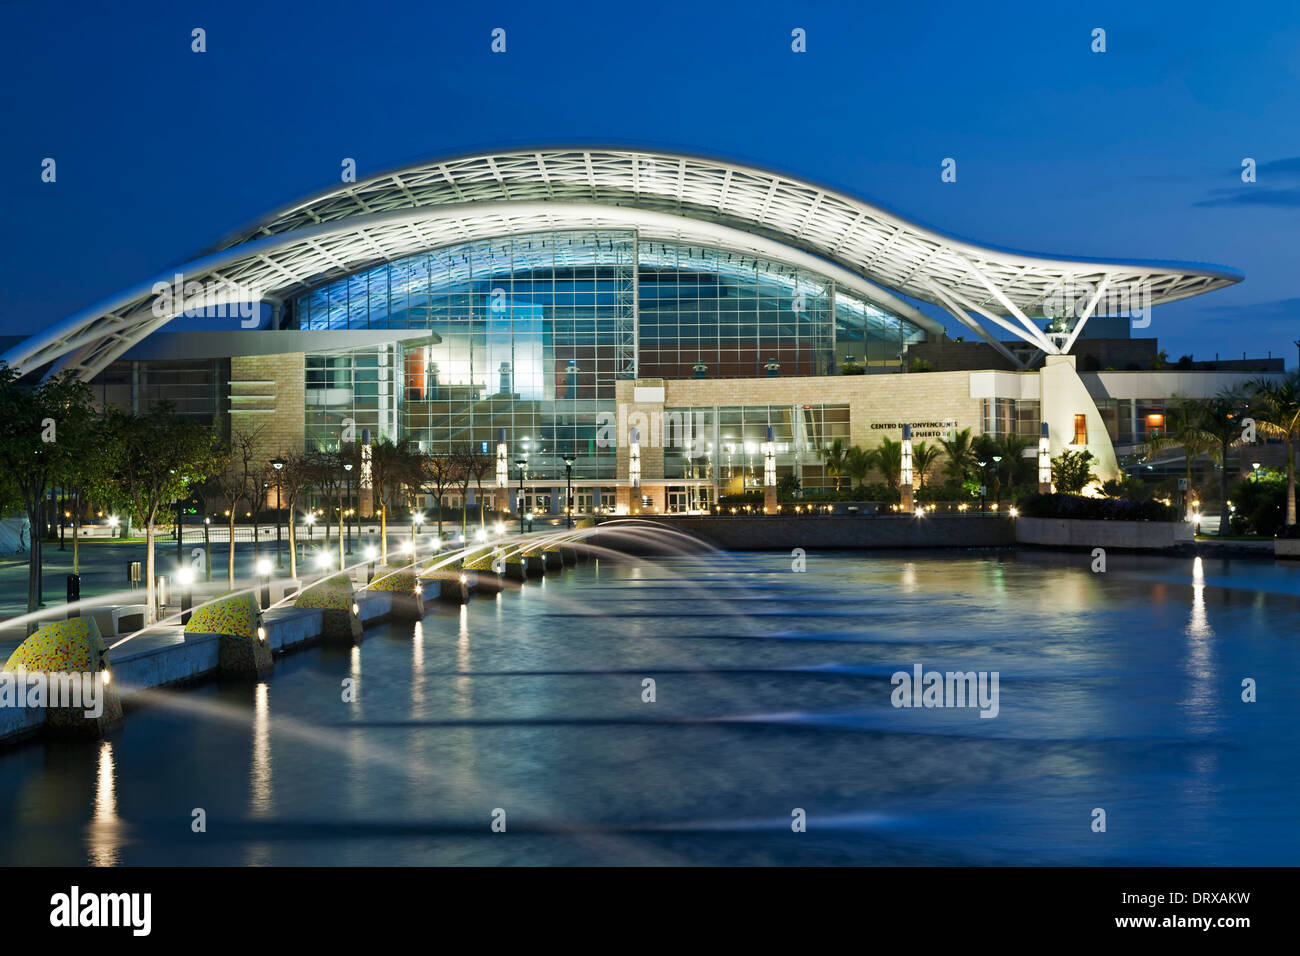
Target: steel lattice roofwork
[{"x": 664, "y": 196}]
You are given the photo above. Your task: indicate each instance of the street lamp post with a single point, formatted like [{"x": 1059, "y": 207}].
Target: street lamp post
[
  {"x": 982, "y": 465},
  {"x": 997, "y": 479},
  {"x": 568, "y": 492},
  {"x": 278, "y": 465},
  {"x": 521, "y": 463},
  {"x": 180, "y": 530}
]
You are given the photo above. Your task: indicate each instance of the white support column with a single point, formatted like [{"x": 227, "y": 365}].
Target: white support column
[
  {"x": 956, "y": 312},
  {"x": 1035, "y": 333},
  {"x": 1087, "y": 314}
]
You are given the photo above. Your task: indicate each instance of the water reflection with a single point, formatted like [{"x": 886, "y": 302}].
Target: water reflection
[
  {"x": 464, "y": 704},
  {"x": 106, "y": 830},
  {"x": 417, "y": 671},
  {"x": 261, "y": 800},
  {"x": 1201, "y": 701},
  {"x": 773, "y": 691}
]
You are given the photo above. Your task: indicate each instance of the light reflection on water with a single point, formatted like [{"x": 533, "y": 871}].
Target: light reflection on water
[{"x": 1119, "y": 690}]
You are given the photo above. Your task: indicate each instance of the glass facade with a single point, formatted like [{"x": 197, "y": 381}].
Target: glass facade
[
  {"x": 1009, "y": 416},
  {"x": 875, "y": 339},
  {"x": 356, "y": 384},
  {"x": 530, "y": 333},
  {"x": 730, "y": 314},
  {"x": 725, "y": 443},
  {"x": 196, "y": 388}
]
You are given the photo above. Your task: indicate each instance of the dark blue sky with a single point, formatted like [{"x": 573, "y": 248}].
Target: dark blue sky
[{"x": 1134, "y": 153}]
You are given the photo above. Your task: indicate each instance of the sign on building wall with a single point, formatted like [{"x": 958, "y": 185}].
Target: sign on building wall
[{"x": 942, "y": 428}]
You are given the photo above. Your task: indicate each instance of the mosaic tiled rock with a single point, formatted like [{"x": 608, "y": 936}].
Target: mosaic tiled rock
[
  {"x": 339, "y": 624},
  {"x": 244, "y": 656},
  {"x": 394, "y": 578},
  {"x": 237, "y": 619},
  {"x": 68, "y": 647},
  {"x": 239, "y": 615},
  {"x": 72, "y": 647},
  {"x": 401, "y": 582}
]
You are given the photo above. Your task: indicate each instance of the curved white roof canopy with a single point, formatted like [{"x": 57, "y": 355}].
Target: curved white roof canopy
[{"x": 665, "y": 196}]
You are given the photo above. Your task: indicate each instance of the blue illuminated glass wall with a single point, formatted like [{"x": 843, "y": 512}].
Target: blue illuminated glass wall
[{"x": 531, "y": 332}]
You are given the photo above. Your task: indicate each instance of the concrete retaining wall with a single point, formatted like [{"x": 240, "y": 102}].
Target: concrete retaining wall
[
  {"x": 1082, "y": 533},
  {"x": 780, "y": 532}
]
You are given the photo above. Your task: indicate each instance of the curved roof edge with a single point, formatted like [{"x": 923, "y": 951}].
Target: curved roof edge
[
  {"x": 249, "y": 229},
  {"x": 477, "y": 195}
]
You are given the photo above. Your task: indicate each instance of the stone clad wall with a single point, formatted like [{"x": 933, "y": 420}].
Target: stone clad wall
[
  {"x": 1084, "y": 533},
  {"x": 872, "y": 399},
  {"x": 268, "y": 392}
]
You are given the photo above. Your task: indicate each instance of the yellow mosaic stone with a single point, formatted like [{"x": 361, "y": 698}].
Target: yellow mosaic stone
[
  {"x": 388, "y": 578},
  {"x": 336, "y": 593},
  {"x": 239, "y": 615},
  {"x": 67, "y": 647}
]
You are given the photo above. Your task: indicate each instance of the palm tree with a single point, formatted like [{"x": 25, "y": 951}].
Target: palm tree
[
  {"x": 1221, "y": 426},
  {"x": 889, "y": 459},
  {"x": 834, "y": 459},
  {"x": 923, "y": 458},
  {"x": 1201, "y": 427},
  {"x": 961, "y": 457},
  {"x": 1275, "y": 406},
  {"x": 858, "y": 463},
  {"x": 1014, "y": 463}
]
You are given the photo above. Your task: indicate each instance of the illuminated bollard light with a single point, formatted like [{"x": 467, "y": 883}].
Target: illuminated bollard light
[
  {"x": 264, "y": 572},
  {"x": 186, "y": 577}
]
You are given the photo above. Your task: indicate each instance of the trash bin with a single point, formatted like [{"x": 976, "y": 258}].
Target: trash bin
[
  {"x": 133, "y": 575},
  {"x": 160, "y": 592}
]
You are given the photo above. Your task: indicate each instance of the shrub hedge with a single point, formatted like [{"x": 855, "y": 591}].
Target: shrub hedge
[{"x": 1096, "y": 509}]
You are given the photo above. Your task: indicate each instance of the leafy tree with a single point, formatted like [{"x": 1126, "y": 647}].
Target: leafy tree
[
  {"x": 87, "y": 475},
  {"x": 295, "y": 478},
  {"x": 330, "y": 478},
  {"x": 43, "y": 425},
  {"x": 393, "y": 466},
  {"x": 1072, "y": 471},
  {"x": 161, "y": 455},
  {"x": 1275, "y": 405},
  {"x": 239, "y": 479},
  {"x": 205, "y": 493},
  {"x": 438, "y": 475},
  {"x": 472, "y": 467},
  {"x": 1260, "y": 504}
]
